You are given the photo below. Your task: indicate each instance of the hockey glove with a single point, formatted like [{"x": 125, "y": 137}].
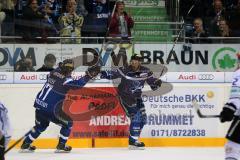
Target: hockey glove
[
  {"x": 227, "y": 113},
  {"x": 104, "y": 74},
  {"x": 158, "y": 82},
  {"x": 93, "y": 71}
]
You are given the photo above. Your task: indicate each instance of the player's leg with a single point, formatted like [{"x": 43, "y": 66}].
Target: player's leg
[
  {"x": 64, "y": 134},
  {"x": 2, "y": 146},
  {"x": 137, "y": 115},
  {"x": 135, "y": 129},
  {"x": 41, "y": 123},
  {"x": 138, "y": 120},
  {"x": 65, "y": 122},
  {"x": 232, "y": 147},
  {"x": 143, "y": 115}
]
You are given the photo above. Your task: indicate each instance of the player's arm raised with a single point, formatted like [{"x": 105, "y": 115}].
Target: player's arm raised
[
  {"x": 89, "y": 74},
  {"x": 153, "y": 82}
]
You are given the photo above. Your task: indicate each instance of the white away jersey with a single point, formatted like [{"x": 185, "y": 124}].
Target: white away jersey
[
  {"x": 235, "y": 91},
  {"x": 4, "y": 123}
]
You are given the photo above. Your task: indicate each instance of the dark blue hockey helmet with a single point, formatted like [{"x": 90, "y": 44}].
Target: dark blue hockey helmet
[
  {"x": 67, "y": 66},
  {"x": 136, "y": 57}
]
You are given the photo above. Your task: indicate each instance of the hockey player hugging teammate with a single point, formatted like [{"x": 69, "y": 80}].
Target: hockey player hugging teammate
[
  {"x": 130, "y": 90},
  {"x": 49, "y": 104}
]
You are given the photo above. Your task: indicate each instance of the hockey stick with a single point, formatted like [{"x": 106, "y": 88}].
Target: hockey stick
[
  {"x": 16, "y": 143},
  {"x": 104, "y": 40},
  {"x": 182, "y": 27},
  {"x": 200, "y": 114}
]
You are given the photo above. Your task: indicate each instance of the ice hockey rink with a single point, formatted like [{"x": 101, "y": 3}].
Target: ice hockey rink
[{"x": 163, "y": 153}]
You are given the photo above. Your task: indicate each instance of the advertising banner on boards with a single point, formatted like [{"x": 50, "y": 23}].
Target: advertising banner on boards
[
  {"x": 196, "y": 58},
  {"x": 96, "y": 112}
]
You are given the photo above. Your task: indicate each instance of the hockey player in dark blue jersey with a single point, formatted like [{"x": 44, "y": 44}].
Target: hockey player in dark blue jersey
[
  {"x": 130, "y": 88},
  {"x": 49, "y": 104}
]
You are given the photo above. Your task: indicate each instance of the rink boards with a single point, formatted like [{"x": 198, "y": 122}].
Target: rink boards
[{"x": 171, "y": 119}]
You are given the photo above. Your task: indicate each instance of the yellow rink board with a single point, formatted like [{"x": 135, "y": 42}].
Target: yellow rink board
[
  {"x": 163, "y": 142},
  {"x": 123, "y": 142}
]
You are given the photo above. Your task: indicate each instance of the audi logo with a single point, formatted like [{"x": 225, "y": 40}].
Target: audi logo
[
  {"x": 3, "y": 77},
  {"x": 206, "y": 77},
  {"x": 43, "y": 77}
]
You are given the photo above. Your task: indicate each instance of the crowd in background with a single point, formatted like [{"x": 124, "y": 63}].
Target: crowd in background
[
  {"x": 26, "y": 64},
  {"x": 35, "y": 20},
  {"x": 211, "y": 18}
]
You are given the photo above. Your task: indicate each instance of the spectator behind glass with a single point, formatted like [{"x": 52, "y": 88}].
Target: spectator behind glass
[
  {"x": 36, "y": 22},
  {"x": 49, "y": 63},
  {"x": 71, "y": 24},
  {"x": 234, "y": 19},
  {"x": 215, "y": 14},
  {"x": 31, "y": 11},
  {"x": 121, "y": 23},
  {"x": 199, "y": 32},
  {"x": 219, "y": 11},
  {"x": 8, "y": 4},
  {"x": 20, "y": 5},
  {"x": 81, "y": 10},
  {"x": 8, "y": 24},
  {"x": 24, "y": 65},
  {"x": 2, "y": 17},
  {"x": 100, "y": 8},
  {"x": 223, "y": 29},
  {"x": 50, "y": 8},
  {"x": 95, "y": 24}
]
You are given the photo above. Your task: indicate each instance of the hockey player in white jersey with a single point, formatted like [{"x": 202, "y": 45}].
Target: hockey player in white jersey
[
  {"x": 5, "y": 133},
  {"x": 231, "y": 112}
]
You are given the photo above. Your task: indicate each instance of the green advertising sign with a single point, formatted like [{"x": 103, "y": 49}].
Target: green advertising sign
[{"x": 225, "y": 59}]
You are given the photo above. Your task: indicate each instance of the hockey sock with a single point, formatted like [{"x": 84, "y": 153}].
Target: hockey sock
[
  {"x": 135, "y": 127},
  {"x": 64, "y": 134},
  {"x": 33, "y": 134},
  {"x": 133, "y": 138}
]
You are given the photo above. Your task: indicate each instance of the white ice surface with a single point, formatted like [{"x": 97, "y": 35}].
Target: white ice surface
[{"x": 163, "y": 153}]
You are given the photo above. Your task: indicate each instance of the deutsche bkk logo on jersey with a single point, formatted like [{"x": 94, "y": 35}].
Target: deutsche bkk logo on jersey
[{"x": 225, "y": 59}]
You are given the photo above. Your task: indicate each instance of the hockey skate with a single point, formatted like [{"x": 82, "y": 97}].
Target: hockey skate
[
  {"x": 62, "y": 148},
  {"x": 27, "y": 148},
  {"x": 136, "y": 145}
]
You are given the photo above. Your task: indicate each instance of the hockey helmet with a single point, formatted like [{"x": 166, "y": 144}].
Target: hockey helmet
[
  {"x": 136, "y": 57},
  {"x": 120, "y": 2},
  {"x": 67, "y": 66}
]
